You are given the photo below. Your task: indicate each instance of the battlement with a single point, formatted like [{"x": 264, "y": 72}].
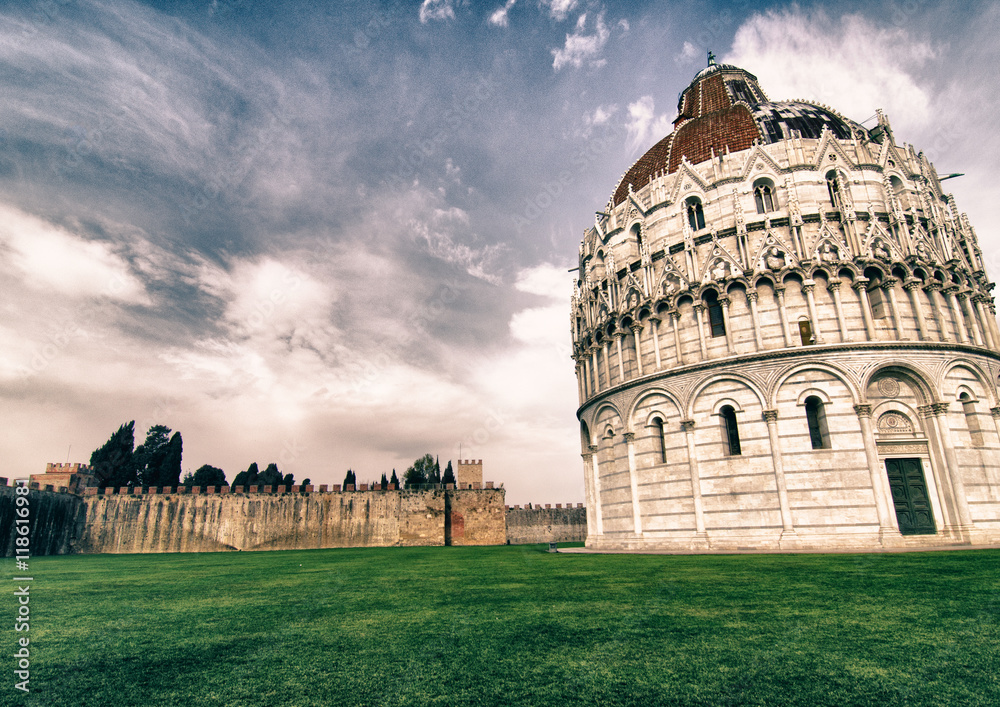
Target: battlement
[
  {"x": 272, "y": 490},
  {"x": 469, "y": 471},
  {"x": 74, "y": 468}
]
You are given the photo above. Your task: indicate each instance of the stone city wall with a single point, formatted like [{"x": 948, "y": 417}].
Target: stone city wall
[
  {"x": 229, "y": 519},
  {"x": 546, "y": 525}
]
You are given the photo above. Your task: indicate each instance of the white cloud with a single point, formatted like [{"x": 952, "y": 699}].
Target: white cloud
[
  {"x": 558, "y": 9},
  {"x": 499, "y": 16},
  {"x": 53, "y": 259},
  {"x": 437, "y": 10},
  {"x": 581, "y": 47},
  {"x": 848, "y": 63},
  {"x": 687, "y": 54},
  {"x": 645, "y": 127}
]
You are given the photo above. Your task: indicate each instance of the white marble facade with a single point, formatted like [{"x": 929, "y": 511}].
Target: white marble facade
[{"x": 789, "y": 345}]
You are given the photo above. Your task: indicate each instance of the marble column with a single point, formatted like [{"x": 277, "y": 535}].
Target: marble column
[
  {"x": 779, "y": 290},
  {"x": 807, "y": 288},
  {"x": 956, "y": 313},
  {"x": 655, "y": 321},
  {"x": 699, "y": 511},
  {"x": 889, "y": 288},
  {"x": 724, "y": 301},
  {"x": 861, "y": 287},
  {"x": 675, "y": 321},
  {"x": 636, "y": 329},
  {"x": 699, "y": 308},
  {"x": 933, "y": 290},
  {"x": 912, "y": 288},
  {"x": 755, "y": 318},
  {"x": 771, "y": 418},
  {"x": 598, "y": 514},
  {"x": 633, "y": 483},
  {"x": 880, "y": 482},
  {"x": 834, "y": 288}
]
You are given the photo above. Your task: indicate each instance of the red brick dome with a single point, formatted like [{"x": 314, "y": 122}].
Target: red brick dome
[{"x": 724, "y": 110}]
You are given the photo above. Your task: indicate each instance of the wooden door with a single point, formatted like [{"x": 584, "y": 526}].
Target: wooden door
[{"x": 910, "y": 497}]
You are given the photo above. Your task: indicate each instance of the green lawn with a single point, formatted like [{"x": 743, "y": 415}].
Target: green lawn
[{"x": 510, "y": 626}]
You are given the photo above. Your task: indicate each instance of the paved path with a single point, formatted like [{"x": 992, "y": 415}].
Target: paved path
[{"x": 939, "y": 548}]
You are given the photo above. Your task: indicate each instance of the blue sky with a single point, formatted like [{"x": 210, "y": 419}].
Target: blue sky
[{"x": 338, "y": 236}]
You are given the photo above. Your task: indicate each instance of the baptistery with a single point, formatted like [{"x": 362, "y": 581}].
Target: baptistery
[{"x": 784, "y": 338}]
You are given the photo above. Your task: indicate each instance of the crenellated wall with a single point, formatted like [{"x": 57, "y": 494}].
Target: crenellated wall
[
  {"x": 64, "y": 523},
  {"x": 537, "y": 524}
]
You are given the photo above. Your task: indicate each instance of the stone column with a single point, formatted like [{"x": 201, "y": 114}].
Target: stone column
[
  {"x": 699, "y": 512},
  {"x": 698, "y": 309},
  {"x": 598, "y": 515},
  {"x": 636, "y": 328},
  {"x": 755, "y": 318},
  {"x": 963, "y": 301},
  {"x": 938, "y": 307},
  {"x": 771, "y": 418},
  {"x": 880, "y": 483},
  {"x": 724, "y": 301},
  {"x": 595, "y": 371},
  {"x": 588, "y": 483},
  {"x": 937, "y": 415},
  {"x": 991, "y": 319},
  {"x": 656, "y": 340},
  {"x": 674, "y": 317},
  {"x": 633, "y": 482},
  {"x": 912, "y": 289},
  {"x": 621, "y": 359},
  {"x": 607, "y": 363},
  {"x": 834, "y": 288},
  {"x": 889, "y": 287},
  {"x": 861, "y": 286},
  {"x": 580, "y": 381},
  {"x": 956, "y": 313},
  {"x": 807, "y": 288},
  {"x": 779, "y": 290},
  {"x": 996, "y": 418},
  {"x": 984, "y": 322}
]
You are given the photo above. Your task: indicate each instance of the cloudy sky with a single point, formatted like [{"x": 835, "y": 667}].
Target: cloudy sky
[{"x": 338, "y": 235}]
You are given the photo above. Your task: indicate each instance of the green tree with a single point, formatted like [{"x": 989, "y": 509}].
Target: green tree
[
  {"x": 288, "y": 481},
  {"x": 394, "y": 479},
  {"x": 306, "y": 481},
  {"x": 206, "y": 475},
  {"x": 384, "y": 482},
  {"x": 247, "y": 478},
  {"x": 436, "y": 477},
  {"x": 420, "y": 472},
  {"x": 350, "y": 479},
  {"x": 449, "y": 475},
  {"x": 270, "y": 476},
  {"x": 113, "y": 462},
  {"x": 169, "y": 473}
]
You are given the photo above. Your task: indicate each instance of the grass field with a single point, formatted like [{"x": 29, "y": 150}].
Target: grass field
[{"x": 510, "y": 626}]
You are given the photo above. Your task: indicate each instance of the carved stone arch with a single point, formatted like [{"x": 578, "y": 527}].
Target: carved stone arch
[
  {"x": 830, "y": 249},
  {"x": 813, "y": 393},
  {"x": 984, "y": 379},
  {"x": 844, "y": 376},
  {"x": 880, "y": 244},
  {"x": 740, "y": 281},
  {"x": 593, "y": 415},
  {"x": 649, "y": 392},
  {"x": 697, "y": 390},
  {"x": 723, "y": 402},
  {"x": 586, "y": 440},
  {"x": 769, "y": 278},
  {"x": 892, "y": 417},
  {"x": 918, "y": 378}
]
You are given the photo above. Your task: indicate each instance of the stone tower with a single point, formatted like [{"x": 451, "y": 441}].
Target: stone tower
[{"x": 784, "y": 338}]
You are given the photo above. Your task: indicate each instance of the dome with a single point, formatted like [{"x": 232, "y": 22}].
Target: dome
[
  {"x": 724, "y": 110},
  {"x": 789, "y": 341}
]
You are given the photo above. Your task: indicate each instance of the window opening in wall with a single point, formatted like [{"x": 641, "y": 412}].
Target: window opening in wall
[
  {"x": 816, "y": 417},
  {"x": 660, "y": 442},
  {"x": 730, "y": 430},
  {"x": 763, "y": 196},
  {"x": 972, "y": 420},
  {"x": 696, "y": 215},
  {"x": 806, "y": 332},
  {"x": 715, "y": 318},
  {"x": 831, "y": 188}
]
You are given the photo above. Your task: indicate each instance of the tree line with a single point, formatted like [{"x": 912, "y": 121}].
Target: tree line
[{"x": 157, "y": 462}]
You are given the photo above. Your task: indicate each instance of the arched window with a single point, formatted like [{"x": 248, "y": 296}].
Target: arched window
[
  {"x": 715, "y": 318},
  {"x": 972, "y": 419},
  {"x": 832, "y": 188},
  {"x": 730, "y": 431},
  {"x": 696, "y": 216},
  {"x": 660, "y": 442},
  {"x": 819, "y": 435},
  {"x": 900, "y": 191},
  {"x": 763, "y": 195}
]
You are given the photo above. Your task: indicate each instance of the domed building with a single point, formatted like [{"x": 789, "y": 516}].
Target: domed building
[{"x": 784, "y": 338}]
